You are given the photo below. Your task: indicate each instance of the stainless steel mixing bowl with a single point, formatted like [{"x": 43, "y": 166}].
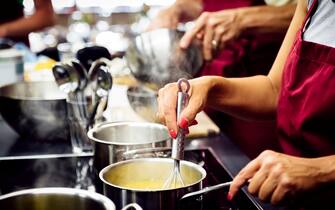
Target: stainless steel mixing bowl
[
  {"x": 155, "y": 57},
  {"x": 35, "y": 110}
]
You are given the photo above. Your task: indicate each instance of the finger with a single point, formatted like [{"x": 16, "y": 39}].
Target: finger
[
  {"x": 219, "y": 30},
  {"x": 257, "y": 181},
  {"x": 160, "y": 113},
  {"x": 267, "y": 188},
  {"x": 200, "y": 35},
  {"x": 189, "y": 113},
  {"x": 207, "y": 41},
  {"x": 279, "y": 195},
  {"x": 189, "y": 35},
  {"x": 243, "y": 176}
]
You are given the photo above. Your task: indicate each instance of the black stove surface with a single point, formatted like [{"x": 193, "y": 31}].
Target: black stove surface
[{"x": 77, "y": 171}]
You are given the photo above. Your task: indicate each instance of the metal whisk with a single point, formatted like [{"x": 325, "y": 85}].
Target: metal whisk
[{"x": 175, "y": 179}]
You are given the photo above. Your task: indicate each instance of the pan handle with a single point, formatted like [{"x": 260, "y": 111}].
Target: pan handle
[
  {"x": 206, "y": 190},
  {"x": 132, "y": 205}
]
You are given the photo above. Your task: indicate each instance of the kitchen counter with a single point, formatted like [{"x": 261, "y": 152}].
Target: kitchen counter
[{"x": 53, "y": 164}]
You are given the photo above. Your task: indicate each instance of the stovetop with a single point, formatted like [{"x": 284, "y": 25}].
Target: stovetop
[{"x": 26, "y": 164}]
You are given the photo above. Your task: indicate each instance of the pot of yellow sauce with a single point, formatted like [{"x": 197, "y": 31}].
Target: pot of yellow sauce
[{"x": 141, "y": 181}]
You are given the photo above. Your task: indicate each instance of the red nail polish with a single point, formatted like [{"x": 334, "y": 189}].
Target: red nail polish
[
  {"x": 183, "y": 123},
  {"x": 229, "y": 196},
  {"x": 173, "y": 133}
]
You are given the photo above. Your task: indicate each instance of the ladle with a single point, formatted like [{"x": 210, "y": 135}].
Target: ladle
[
  {"x": 175, "y": 178},
  {"x": 67, "y": 79}
]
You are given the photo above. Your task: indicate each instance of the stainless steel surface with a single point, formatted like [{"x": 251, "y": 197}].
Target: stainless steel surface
[
  {"x": 155, "y": 57},
  {"x": 207, "y": 189},
  {"x": 55, "y": 199},
  {"x": 175, "y": 177},
  {"x": 67, "y": 79},
  {"x": 116, "y": 178},
  {"x": 144, "y": 102},
  {"x": 36, "y": 110},
  {"x": 112, "y": 139},
  {"x": 104, "y": 83}
]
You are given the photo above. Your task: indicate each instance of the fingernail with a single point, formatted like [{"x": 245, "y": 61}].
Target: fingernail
[
  {"x": 194, "y": 122},
  {"x": 229, "y": 196},
  {"x": 183, "y": 123},
  {"x": 173, "y": 133}
]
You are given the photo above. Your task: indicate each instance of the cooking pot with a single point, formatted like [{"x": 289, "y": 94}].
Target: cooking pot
[
  {"x": 155, "y": 57},
  {"x": 113, "y": 139},
  {"x": 141, "y": 181},
  {"x": 35, "y": 109},
  {"x": 55, "y": 199},
  {"x": 58, "y": 198}
]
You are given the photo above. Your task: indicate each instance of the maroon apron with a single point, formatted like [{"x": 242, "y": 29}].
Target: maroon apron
[
  {"x": 248, "y": 55},
  {"x": 306, "y": 107}
]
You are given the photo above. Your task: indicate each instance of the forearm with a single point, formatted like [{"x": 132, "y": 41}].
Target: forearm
[
  {"x": 252, "y": 98},
  {"x": 188, "y": 10},
  {"x": 35, "y": 22},
  {"x": 266, "y": 19}
]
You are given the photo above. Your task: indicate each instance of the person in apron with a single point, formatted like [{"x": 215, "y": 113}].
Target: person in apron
[
  {"x": 298, "y": 91},
  {"x": 13, "y": 24},
  {"x": 239, "y": 53}
]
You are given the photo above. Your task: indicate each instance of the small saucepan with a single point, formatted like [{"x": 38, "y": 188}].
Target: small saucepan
[{"x": 141, "y": 181}]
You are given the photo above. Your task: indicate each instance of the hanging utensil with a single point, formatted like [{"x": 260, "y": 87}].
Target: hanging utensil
[{"x": 175, "y": 178}]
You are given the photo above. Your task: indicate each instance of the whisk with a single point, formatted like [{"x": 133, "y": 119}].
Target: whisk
[{"x": 175, "y": 179}]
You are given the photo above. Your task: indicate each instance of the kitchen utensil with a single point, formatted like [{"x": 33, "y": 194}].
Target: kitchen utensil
[
  {"x": 144, "y": 102},
  {"x": 141, "y": 180},
  {"x": 206, "y": 190},
  {"x": 35, "y": 110},
  {"x": 104, "y": 84},
  {"x": 175, "y": 179},
  {"x": 67, "y": 79},
  {"x": 155, "y": 57}
]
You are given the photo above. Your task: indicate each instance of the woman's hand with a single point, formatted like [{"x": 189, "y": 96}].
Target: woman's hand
[
  {"x": 277, "y": 177},
  {"x": 167, "y": 100},
  {"x": 215, "y": 29}
]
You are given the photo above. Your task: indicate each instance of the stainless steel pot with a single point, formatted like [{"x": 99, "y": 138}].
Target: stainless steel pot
[
  {"x": 55, "y": 199},
  {"x": 36, "y": 110},
  {"x": 141, "y": 181},
  {"x": 113, "y": 139}
]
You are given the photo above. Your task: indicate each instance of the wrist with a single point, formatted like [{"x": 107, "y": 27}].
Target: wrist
[
  {"x": 3, "y": 30},
  {"x": 327, "y": 169}
]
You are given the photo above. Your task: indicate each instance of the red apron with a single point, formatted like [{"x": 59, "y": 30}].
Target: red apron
[
  {"x": 306, "y": 107},
  {"x": 248, "y": 55}
]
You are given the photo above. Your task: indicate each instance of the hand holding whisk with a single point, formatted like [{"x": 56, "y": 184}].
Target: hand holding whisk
[{"x": 175, "y": 179}]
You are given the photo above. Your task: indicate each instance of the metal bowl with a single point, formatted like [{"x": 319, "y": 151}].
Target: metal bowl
[
  {"x": 55, "y": 199},
  {"x": 144, "y": 102},
  {"x": 35, "y": 110},
  {"x": 155, "y": 57}
]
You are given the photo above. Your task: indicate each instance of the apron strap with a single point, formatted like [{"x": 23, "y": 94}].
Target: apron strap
[{"x": 310, "y": 13}]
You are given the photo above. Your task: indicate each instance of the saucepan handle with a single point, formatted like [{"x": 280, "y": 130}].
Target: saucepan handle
[
  {"x": 132, "y": 205},
  {"x": 206, "y": 190}
]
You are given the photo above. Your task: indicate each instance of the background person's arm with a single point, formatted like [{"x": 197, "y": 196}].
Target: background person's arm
[
  {"x": 43, "y": 16},
  {"x": 226, "y": 25}
]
